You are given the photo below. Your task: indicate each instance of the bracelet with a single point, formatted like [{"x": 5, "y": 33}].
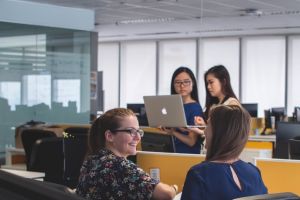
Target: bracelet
[{"x": 175, "y": 187}]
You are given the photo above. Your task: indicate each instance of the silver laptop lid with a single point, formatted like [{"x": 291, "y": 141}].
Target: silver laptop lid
[{"x": 165, "y": 110}]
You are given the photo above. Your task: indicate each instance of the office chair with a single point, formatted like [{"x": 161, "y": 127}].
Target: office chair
[
  {"x": 13, "y": 187},
  {"x": 275, "y": 196},
  {"x": 47, "y": 156},
  {"x": 74, "y": 151},
  {"x": 29, "y": 136},
  {"x": 294, "y": 148},
  {"x": 77, "y": 130}
]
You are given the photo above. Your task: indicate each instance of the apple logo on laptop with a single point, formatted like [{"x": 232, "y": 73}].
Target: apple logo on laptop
[{"x": 164, "y": 111}]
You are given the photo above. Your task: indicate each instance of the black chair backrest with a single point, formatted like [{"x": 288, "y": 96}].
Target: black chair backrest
[
  {"x": 77, "y": 130},
  {"x": 47, "y": 156},
  {"x": 13, "y": 187},
  {"x": 29, "y": 136},
  {"x": 294, "y": 148},
  {"x": 74, "y": 150}
]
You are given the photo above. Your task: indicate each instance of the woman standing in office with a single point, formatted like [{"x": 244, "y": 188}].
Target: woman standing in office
[
  {"x": 223, "y": 175},
  {"x": 184, "y": 83},
  {"x": 106, "y": 173},
  {"x": 218, "y": 91}
]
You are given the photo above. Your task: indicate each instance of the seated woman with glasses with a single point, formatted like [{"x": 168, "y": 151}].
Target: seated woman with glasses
[
  {"x": 184, "y": 83},
  {"x": 106, "y": 173},
  {"x": 223, "y": 175}
]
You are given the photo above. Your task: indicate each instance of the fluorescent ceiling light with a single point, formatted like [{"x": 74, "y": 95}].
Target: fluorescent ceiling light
[{"x": 146, "y": 21}]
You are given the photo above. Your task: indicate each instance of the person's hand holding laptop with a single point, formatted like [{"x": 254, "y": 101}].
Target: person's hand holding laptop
[{"x": 167, "y": 113}]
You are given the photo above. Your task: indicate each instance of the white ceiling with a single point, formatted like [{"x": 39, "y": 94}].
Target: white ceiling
[{"x": 127, "y": 19}]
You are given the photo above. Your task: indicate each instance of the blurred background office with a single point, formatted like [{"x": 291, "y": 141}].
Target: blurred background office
[{"x": 58, "y": 68}]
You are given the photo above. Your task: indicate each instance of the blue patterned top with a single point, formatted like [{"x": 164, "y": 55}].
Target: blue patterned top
[{"x": 109, "y": 177}]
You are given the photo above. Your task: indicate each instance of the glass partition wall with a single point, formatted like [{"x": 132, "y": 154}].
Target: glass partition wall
[{"x": 44, "y": 76}]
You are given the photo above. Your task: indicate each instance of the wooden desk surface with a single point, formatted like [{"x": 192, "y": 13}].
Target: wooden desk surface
[{"x": 262, "y": 138}]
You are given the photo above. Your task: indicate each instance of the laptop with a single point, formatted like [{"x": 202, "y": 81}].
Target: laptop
[{"x": 166, "y": 111}]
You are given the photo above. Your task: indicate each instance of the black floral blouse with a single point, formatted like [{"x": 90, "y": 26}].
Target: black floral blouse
[{"x": 109, "y": 177}]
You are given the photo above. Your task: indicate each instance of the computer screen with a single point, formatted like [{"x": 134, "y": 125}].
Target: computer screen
[
  {"x": 278, "y": 113},
  {"x": 268, "y": 115},
  {"x": 140, "y": 111},
  {"x": 297, "y": 114},
  {"x": 251, "y": 108},
  {"x": 284, "y": 132},
  {"x": 157, "y": 142}
]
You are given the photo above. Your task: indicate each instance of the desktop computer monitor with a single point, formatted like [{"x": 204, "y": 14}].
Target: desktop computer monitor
[
  {"x": 157, "y": 142},
  {"x": 251, "y": 108},
  {"x": 268, "y": 115},
  {"x": 278, "y": 113},
  {"x": 140, "y": 111},
  {"x": 297, "y": 114},
  {"x": 284, "y": 132}
]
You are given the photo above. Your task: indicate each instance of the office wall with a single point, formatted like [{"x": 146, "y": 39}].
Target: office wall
[{"x": 263, "y": 68}]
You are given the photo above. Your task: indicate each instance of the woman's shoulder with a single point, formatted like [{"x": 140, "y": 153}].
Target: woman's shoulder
[
  {"x": 232, "y": 101},
  {"x": 203, "y": 166},
  {"x": 246, "y": 166},
  {"x": 106, "y": 158}
]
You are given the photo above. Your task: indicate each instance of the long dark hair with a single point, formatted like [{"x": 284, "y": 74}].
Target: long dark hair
[
  {"x": 221, "y": 73},
  {"x": 194, "y": 93},
  {"x": 230, "y": 126},
  {"x": 110, "y": 120}
]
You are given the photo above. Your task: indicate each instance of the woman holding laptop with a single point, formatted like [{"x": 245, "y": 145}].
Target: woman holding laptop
[{"x": 184, "y": 83}]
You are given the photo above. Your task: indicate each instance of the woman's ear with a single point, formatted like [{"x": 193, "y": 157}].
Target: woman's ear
[{"x": 108, "y": 136}]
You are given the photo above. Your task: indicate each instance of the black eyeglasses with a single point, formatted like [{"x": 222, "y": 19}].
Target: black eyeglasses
[
  {"x": 132, "y": 131},
  {"x": 184, "y": 83}
]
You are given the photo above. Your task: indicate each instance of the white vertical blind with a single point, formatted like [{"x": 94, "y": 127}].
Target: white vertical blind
[
  {"x": 138, "y": 71},
  {"x": 11, "y": 90},
  {"x": 108, "y": 63},
  {"x": 219, "y": 51},
  {"x": 173, "y": 54},
  {"x": 293, "y": 93},
  {"x": 263, "y": 71},
  {"x": 36, "y": 90},
  {"x": 66, "y": 90}
]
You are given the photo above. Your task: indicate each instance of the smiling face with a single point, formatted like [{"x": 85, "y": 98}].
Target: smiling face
[
  {"x": 122, "y": 143},
  {"x": 183, "y": 84},
  {"x": 214, "y": 86}
]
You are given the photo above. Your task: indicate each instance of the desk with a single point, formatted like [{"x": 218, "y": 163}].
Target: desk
[
  {"x": 280, "y": 175},
  {"x": 26, "y": 174},
  {"x": 14, "y": 155},
  {"x": 171, "y": 167},
  {"x": 261, "y": 142},
  {"x": 262, "y": 138}
]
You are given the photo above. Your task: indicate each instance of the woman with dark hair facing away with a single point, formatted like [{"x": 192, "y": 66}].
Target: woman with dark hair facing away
[
  {"x": 218, "y": 90},
  {"x": 223, "y": 175},
  {"x": 184, "y": 83},
  {"x": 106, "y": 173}
]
